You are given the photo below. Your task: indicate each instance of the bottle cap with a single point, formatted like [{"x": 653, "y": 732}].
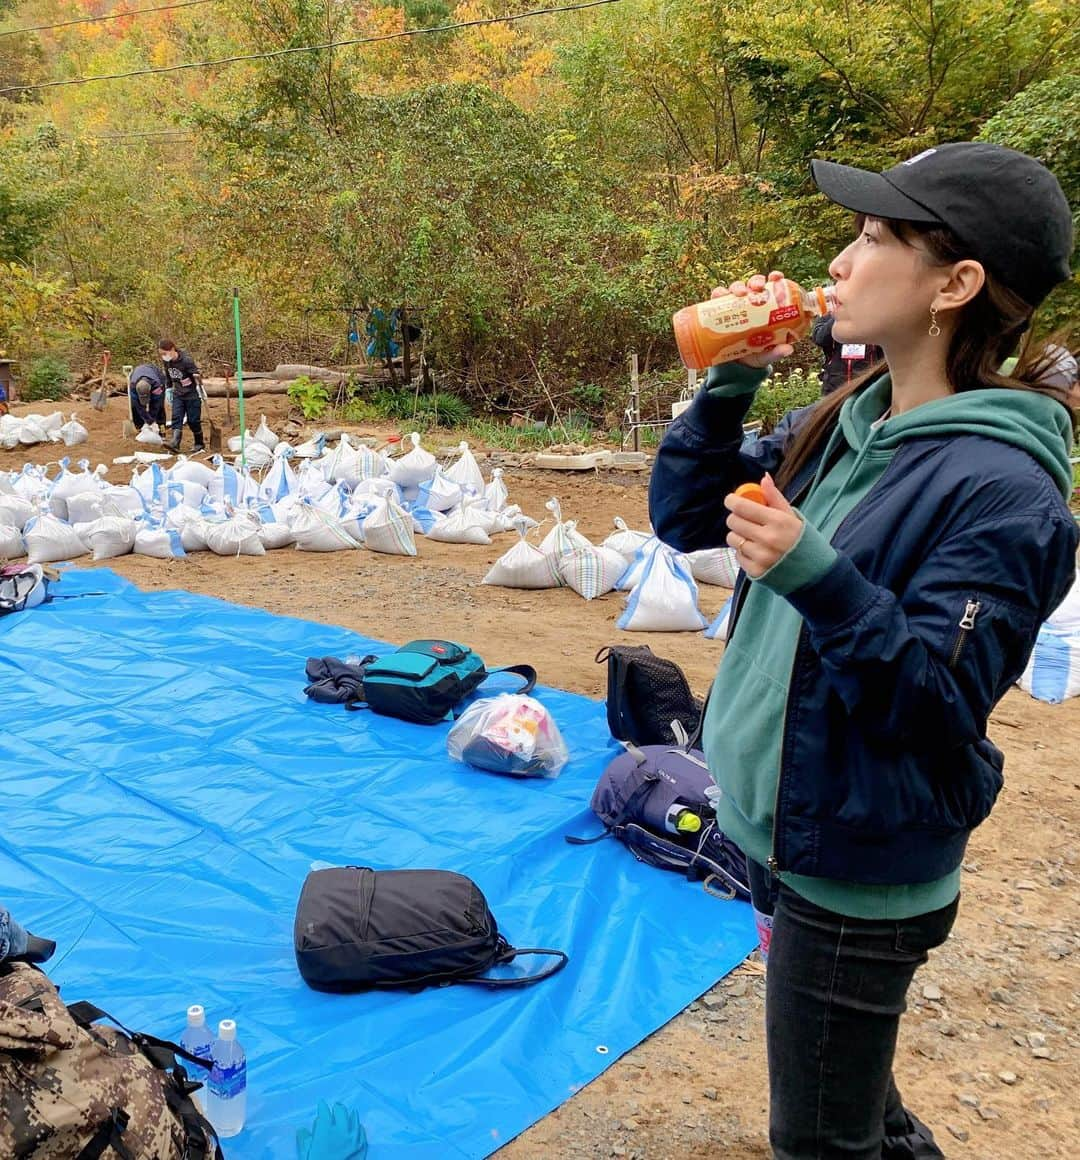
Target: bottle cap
[
  {"x": 688, "y": 822},
  {"x": 196, "y": 1015},
  {"x": 226, "y": 1029}
]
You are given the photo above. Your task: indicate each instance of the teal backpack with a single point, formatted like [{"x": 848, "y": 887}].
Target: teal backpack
[{"x": 427, "y": 681}]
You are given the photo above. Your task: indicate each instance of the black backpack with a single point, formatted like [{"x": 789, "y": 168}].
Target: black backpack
[
  {"x": 425, "y": 681},
  {"x": 645, "y": 694},
  {"x": 641, "y": 798},
  {"x": 359, "y": 929}
]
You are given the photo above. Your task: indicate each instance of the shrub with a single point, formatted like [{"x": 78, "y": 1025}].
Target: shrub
[
  {"x": 46, "y": 378},
  {"x": 311, "y": 397},
  {"x": 782, "y": 393}
]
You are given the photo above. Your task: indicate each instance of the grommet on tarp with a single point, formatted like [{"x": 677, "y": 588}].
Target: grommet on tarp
[{"x": 601, "y": 1049}]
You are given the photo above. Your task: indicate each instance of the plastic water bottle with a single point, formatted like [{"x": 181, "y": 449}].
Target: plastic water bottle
[
  {"x": 197, "y": 1038},
  {"x": 227, "y": 1102}
]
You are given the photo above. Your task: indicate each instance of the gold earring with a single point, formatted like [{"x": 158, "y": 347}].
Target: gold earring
[{"x": 934, "y": 330}]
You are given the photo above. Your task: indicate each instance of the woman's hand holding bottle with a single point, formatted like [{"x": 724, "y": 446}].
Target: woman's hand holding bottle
[{"x": 754, "y": 288}]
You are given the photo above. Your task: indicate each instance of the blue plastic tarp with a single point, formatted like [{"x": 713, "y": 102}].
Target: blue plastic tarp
[{"x": 167, "y": 786}]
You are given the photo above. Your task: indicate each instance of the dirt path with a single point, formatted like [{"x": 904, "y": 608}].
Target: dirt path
[{"x": 990, "y": 1050}]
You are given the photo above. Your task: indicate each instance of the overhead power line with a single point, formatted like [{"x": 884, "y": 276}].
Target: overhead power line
[
  {"x": 102, "y": 19},
  {"x": 409, "y": 32}
]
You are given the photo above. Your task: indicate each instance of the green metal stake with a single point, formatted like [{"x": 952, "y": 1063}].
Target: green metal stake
[{"x": 239, "y": 374}]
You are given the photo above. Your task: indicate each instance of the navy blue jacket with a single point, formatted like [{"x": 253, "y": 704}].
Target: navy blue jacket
[{"x": 945, "y": 571}]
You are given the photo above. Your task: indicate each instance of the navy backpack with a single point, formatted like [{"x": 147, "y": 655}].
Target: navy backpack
[{"x": 652, "y": 798}]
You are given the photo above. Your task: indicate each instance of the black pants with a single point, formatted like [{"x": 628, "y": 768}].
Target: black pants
[
  {"x": 835, "y": 991},
  {"x": 189, "y": 407}
]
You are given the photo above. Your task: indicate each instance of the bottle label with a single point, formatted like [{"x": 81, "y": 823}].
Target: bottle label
[
  {"x": 784, "y": 314},
  {"x": 230, "y": 1081}
]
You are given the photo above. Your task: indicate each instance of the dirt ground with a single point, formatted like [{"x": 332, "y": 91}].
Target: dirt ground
[{"x": 990, "y": 1047}]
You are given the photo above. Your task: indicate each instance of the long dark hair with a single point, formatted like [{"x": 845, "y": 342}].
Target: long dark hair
[{"x": 991, "y": 327}]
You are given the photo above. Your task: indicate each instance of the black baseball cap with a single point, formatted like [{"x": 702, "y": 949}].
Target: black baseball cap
[{"x": 1006, "y": 207}]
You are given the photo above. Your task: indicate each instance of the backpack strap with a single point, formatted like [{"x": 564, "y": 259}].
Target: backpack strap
[
  {"x": 110, "y": 1134},
  {"x": 526, "y": 672},
  {"x": 629, "y": 806},
  {"x": 507, "y": 954}
]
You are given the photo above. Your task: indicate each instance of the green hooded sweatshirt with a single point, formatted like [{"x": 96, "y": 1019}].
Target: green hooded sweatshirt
[{"x": 744, "y": 723}]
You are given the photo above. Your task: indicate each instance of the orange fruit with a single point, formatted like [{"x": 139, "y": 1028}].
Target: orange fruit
[{"x": 751, "y": 491}]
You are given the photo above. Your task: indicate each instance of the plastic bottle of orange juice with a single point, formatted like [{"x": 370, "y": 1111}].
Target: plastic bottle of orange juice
[{"x": 731, "y": 327}]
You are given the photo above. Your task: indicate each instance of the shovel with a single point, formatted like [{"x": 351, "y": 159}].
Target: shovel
[
  {"x": 99, "y": 396},
  {"x": 130, "y": 430}
]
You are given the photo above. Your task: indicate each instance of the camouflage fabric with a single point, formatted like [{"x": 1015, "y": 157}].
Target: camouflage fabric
[{"x": 59, "y": 1082}]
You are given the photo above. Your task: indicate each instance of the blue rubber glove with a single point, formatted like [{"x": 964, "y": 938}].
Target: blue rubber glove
[{"x": 336, "y": 1134}]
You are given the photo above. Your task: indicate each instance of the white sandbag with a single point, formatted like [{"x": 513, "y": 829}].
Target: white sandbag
[
  {"x": 625, "y": 541},
  {"x": 591, "y": 571},
  {"x": 495, "y": 493},
  {"x": 388, "y": 529},
  {"x": 439, "y": 493},
  {"x": 87, "y": 507},
  {"x": 460, "y": 527},
  {"x": 182, "y": 491},
  {"x": 160, "y": 542},
  {"x": 256, "y": 456},
  {"x": 31, "y": 431},
  {"x": 636, "y": 568},
  {"x": 193, "y": 534},
  {"x": 11, "y": 542},
  {"x": 714, "y": 566},
  {"x": 563, "y": 537},
  {"x": 413, "y": 467},
  {"x": 465, "y": 471},
  {"x": 383, "y": 487},
  {"x": 15, "y": 511},
  {"x": 718, "y": 630},
  {"x": 73, "y": 432},
  {"x": 315, "y": 530},
  {"x": 108, "y": 536},
  {"x": 149, "y": 436},
  {"x": 31, "y": 483},
  {"x": 279, "y": 481},
  {"x": 666, "y": 599},
  {"x": 341, "y": 465},
  {"x": 190, "y": 470},
  {"x": 522, "y": 566},
  {"x": 264, "y": 435},
  {"x": 51, "y": 424},
  {"x": 1053, "y": 672},
  {"x": 50, "y": 539},
  {"x": 274, "y": 533},
  {"x": 311, "y": 483},
  {"x": 235, "y": 442},
  {"x": 491, "y": 522},
  {"x": 312, "y": 448},
  {"x": 149, "y": 481},
  {"x": 69, "y": 483},
  {"x": 236, "y": 536},
  {"x": 10, "y": 426},
  {"x": 230, "y": 485},
  {"x": 121, "y": 500}
]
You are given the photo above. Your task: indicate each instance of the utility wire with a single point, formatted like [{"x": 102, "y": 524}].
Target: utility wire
[
  {"x": 101, "y": 19},
  {"x": 143, "y": 72}
]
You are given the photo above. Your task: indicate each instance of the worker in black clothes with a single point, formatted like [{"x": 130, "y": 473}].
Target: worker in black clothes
[
  {"x": 843, "y": 360},
  {"x": 184, "y": 379},
  {"x": 147, "y": 393}
]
